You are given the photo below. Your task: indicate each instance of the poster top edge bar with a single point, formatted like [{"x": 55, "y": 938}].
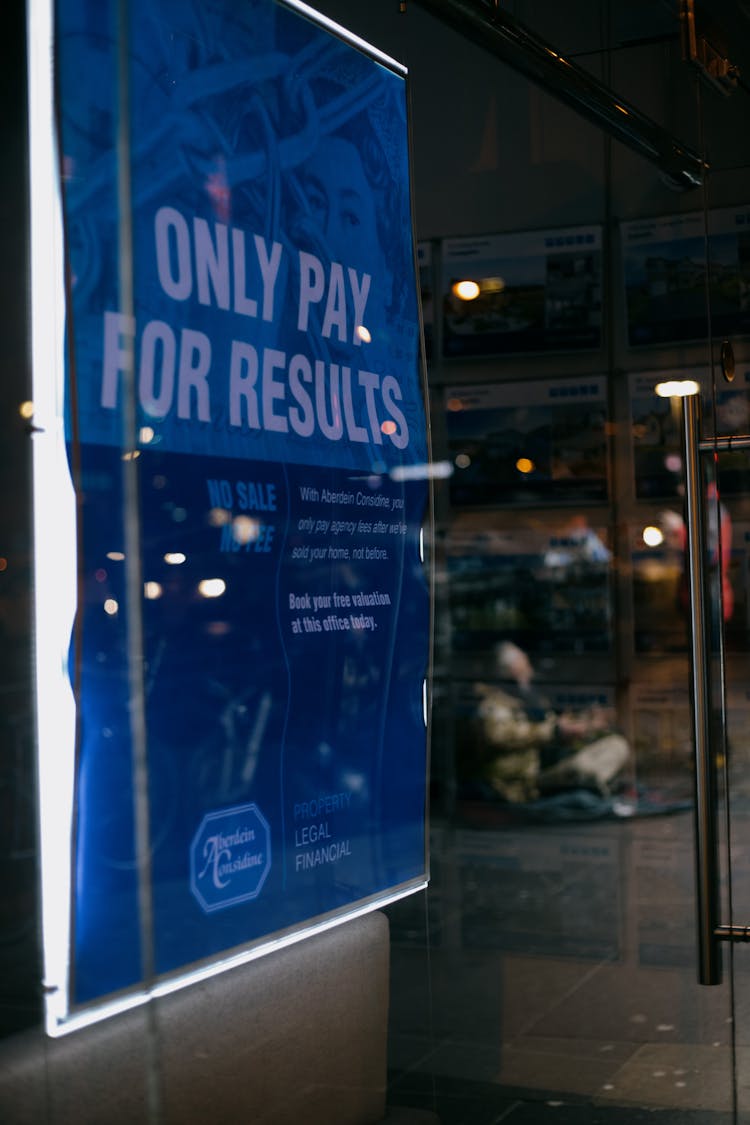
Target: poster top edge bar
[{"x": 345, "y": 34}]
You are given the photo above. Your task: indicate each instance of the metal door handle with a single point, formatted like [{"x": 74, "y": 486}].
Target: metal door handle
[
  {"x": 706, "y": 838},
  {"x": 711, "y": 932}
]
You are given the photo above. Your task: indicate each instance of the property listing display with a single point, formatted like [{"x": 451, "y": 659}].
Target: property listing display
[
  {"x": 264, "y": 385},
  {"x": 506, "y": 883},
  {"x": 666, "y": 261},
  {"x": 528, "y": 443},
  {"x": 660, "y": 605},
  {"x": 656, "y": 430},
  {"x": 533, "y": 291},
  {"x": 548, "y": 591}
]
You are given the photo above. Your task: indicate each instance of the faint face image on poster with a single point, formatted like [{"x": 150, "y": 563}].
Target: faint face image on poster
[
  {"x": 344, "y": 187},
  {"x": 340, "y": 202}
]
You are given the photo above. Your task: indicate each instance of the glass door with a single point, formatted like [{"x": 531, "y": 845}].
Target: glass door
[
  {"x": 723, "y": 429},
  {"x": 550, "y": 971}
]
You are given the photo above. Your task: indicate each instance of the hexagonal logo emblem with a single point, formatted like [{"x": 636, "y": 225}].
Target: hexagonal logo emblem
[{"x": 230, "y": 857}]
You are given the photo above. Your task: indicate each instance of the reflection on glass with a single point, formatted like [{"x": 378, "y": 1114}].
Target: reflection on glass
[
  {"x": 528, "y": 443},
  {"x": 212, "y": 587},
  {"x": 677, "y": 388},
  {"x": 652, "y": 536},
  {"x": 466, "y": 290},
  {"x": 556, "y": 747},
  {"x": 245, "y": 530},
  {"x": 548, "y": 590},
  {"x": 528, "y": 597}
]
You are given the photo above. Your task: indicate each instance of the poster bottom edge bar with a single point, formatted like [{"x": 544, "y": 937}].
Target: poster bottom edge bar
[{"x": 57, "y": 1025}]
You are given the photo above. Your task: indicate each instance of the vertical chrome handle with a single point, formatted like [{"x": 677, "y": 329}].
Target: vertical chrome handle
[{"x": 706, "y": 838}]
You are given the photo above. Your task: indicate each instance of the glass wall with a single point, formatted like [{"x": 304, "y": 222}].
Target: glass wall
[
  {"x": 553, "y": 962},
  {"x": 549, "y": 971}
]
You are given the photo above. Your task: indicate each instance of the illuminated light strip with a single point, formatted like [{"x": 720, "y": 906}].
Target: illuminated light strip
[
  {"x": 195, "y": 976},
  {"x": 54, "y": 521},
  {"x": 346, "y": 35}
]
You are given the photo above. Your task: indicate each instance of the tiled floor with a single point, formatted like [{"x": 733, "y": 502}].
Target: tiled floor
[
  {"x": 558, "y": 982},
  {"x": 471, "y": 1103}
]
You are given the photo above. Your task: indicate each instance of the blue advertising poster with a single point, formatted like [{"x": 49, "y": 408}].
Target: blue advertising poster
[{"x": 281, "y": 465}]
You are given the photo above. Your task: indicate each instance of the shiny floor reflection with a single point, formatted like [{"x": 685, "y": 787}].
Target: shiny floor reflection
[{"x": 559, "y": 983}]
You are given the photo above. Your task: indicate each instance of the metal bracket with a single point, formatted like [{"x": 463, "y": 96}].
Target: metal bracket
[
  {"x": 732, "y": 933},
  {"x": 707, "y": 57},
  {"x": 492, "y": 28}
]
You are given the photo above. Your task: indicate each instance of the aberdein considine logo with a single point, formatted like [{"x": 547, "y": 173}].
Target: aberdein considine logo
[{"x": 230, "y": 857}]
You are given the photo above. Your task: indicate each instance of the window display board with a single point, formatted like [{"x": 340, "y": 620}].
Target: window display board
[
  {"x": 660, "y": 617},
  {"x": 548, "y": 591},
  {"x": 660, "y": 600},
  {"x": 239, "y": 753},
  {"x": 655, "y": 429},
  {"x": 548, "y": 894},
  {"x": 661, "y": 722},
  {"x": 533, "y": 291},
  {"x": 659, "y": 868},
  {"x": 665, "y": 263},
  {"x": 528, "y": 443},
  {"x": 656, "y": 433}
]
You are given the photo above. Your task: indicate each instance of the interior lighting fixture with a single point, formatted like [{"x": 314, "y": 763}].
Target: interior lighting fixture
[
  {"x": 677, "y": 388},
  {"x": 174, "y": 558},
  {"x": 653, "y": 536},
  {"x": 466, "y": 290},
  {"x": 152, "y": 591},
  {"x": 525, "y": 465}
]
